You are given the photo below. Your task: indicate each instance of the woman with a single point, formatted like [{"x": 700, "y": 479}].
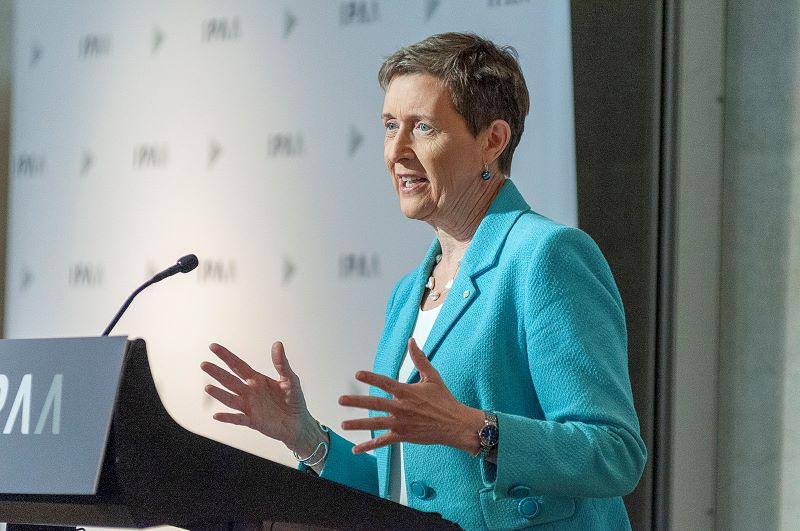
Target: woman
[{"x": 500, "y": 395}]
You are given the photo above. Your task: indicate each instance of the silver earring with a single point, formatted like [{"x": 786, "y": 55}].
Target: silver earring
[{"x": 485, "y": 175}]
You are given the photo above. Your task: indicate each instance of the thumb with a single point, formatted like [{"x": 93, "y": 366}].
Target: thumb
[
  {"x": 281, "y": 362},
  {"x": 421, "y": 361}
]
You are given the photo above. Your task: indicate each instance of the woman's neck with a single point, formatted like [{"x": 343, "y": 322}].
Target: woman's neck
[
  {"x": 455, "y": 236},
  {"x": 453, "y": 248}
]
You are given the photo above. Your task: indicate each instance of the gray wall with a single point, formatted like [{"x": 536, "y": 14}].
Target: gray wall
[
  {"x": 6, "y": 35},
  {"x": 735, "y": 443},
  {"x": 759, "y": 308},
  {"x": 697, "y": 264}
]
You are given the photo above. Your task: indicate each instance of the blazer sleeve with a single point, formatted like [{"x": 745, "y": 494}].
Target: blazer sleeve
[
  {"x": 342, "y": 466},
  {"x": 588, "y": 443}
]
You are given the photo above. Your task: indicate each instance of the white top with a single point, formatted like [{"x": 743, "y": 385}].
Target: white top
[{"x": 422, "y": 329}]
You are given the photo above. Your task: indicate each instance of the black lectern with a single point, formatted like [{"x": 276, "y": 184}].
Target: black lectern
[{"x": 154, "y": 472}]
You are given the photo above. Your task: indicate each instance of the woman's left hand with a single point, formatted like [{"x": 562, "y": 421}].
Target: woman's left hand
[{"x": 424, "y": 412}]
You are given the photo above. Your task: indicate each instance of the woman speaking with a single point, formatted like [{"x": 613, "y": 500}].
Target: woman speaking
[{"x": 500, "y": 395}]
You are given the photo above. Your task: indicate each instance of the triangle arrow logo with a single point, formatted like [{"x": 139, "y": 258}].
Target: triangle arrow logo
[
  {"x": 27, "y": 278},
  {"x": 430, "y": 8},
  {"x": 289, "y": 22},
  {"x": 36, "y": 54},
  {"x": 288, "y": 270},
  {"x": 86, "y": 163},
  {"x": 356, "y": 139},
  {"x": 158, "y": 39},
  {"x": 214, "y": 151}
]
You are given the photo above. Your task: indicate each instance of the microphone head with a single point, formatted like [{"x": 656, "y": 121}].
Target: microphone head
[{"x": 187, "y": 263}]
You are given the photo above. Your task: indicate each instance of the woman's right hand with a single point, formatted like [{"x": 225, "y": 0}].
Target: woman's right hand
[{"x": 275, "y": 408}]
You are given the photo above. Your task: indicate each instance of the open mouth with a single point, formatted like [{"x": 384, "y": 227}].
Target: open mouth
[{"x": 408, "y": 183}]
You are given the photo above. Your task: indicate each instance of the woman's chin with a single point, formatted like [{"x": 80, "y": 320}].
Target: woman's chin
[
  {"x": 413, "y": 211},
  {"x": 409, "y": 213}
]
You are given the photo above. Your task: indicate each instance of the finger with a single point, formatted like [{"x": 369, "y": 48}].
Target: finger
[
  {"x": 390, "y": 385},
  {"x": 225, "y": 378},
  {"x": 281, "y": 362},
  {"x": 226, "y": 398},
  {"x": 374, "y": 403},
  {"x": 240, "y": 419},
  {"x": 373, "y": 423},
  {"x": 383, "y": 440},
  {"x": 421, "y": 361},
  {"x": 239, "y": 367}
]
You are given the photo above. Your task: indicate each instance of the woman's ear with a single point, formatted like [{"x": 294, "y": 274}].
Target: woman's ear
[{"x": 497, "y": 137}]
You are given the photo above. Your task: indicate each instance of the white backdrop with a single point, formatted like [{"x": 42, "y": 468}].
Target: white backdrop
[{"x": 247, "y": 132}]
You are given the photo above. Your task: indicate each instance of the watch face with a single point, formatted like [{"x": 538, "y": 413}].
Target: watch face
[{"x": 489, "y": 435}]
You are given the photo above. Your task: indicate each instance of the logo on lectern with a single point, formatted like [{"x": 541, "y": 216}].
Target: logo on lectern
[{"x": 20, "y": 407}]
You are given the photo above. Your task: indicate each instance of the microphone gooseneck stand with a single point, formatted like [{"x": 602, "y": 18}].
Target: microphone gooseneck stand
[{"x": 184, "y": 265}]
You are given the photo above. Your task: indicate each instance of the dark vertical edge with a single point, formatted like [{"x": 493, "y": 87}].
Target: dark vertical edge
[
  {"x": 617, "y": 75},
  {"x": 666, "y": 252},
  {"x": 727, "y": 79}
]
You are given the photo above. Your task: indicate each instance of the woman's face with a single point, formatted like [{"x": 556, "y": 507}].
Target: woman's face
[{"x": 434, "y": 160}]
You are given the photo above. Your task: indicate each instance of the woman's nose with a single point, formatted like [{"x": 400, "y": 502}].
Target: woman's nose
[{"x": 399, "y": 148}]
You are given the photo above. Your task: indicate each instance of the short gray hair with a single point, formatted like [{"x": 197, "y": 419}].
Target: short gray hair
[{"x": 485, "y": 80}]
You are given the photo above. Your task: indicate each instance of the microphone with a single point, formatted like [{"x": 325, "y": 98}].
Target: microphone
[{"x": 184, "y": 265}]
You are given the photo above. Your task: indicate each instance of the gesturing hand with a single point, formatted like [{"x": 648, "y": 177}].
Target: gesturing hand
[
  {"x": 424, "y": 412},
  {"x": 276, "y": 408}
]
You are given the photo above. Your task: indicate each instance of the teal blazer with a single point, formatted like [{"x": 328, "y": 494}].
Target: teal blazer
[{"x": 533, "y": 329}]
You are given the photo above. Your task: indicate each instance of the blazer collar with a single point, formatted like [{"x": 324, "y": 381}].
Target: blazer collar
[
  {"x": 491, "y": 234},
  {"x": 481, "y": 255}
]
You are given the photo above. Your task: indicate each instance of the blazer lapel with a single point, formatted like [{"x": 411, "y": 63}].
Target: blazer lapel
[
  {"x": 481, "y": 255},
  {"x": 394, "y": 350},
  {"x": 407, "y": 316}
]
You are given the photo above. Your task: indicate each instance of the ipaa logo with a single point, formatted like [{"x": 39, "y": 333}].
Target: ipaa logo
[{"x": 21, "y": 406}]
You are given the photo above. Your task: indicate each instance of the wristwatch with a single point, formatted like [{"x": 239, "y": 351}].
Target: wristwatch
[{"x": 489, "y": 435}]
